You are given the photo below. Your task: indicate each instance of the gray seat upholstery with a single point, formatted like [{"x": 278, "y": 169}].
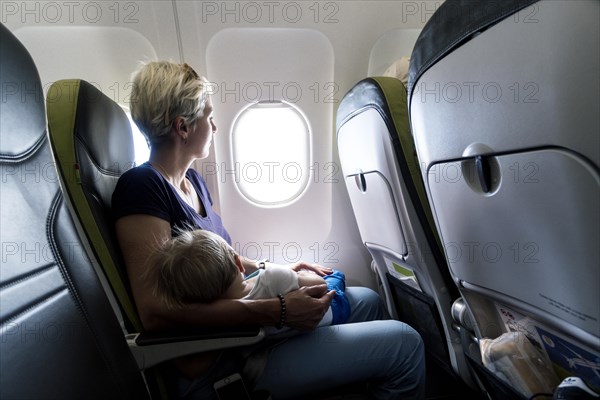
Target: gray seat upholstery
[
  {"x": 93, "y": 145},
  {"x": 504, "y": 107},
  {"x": 59, "y": 337},
  {"x": 393, "y": 215},
  {"x": 58, "y": 328}
]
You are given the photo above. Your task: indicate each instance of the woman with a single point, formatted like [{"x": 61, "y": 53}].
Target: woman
[{"x": 152, "y": 202}]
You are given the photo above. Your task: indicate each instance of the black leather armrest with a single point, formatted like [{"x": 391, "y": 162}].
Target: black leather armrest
[
  {"x": 152, "y": 348},
  {"x": 196, "y": 333}
]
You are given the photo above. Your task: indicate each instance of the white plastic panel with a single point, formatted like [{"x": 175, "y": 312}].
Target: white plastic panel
[
  {"x": 390, "y": 47},
  {"x": 88, "y": 53},
  {"x": 364, "y": 145},
  {"x": 535, "y": 239},
  {"x": 248, "y": 65},
  {"x": 366, "y": 150},
  {"x": 375, "y": 211}
]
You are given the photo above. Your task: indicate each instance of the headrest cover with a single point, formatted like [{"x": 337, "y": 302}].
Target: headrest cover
[
  {"x": 366, "y": 93},
  {"x": 104, "y": 129},
  {"x": 22, "y": 116},
  {"x": 455, "y": 22}
]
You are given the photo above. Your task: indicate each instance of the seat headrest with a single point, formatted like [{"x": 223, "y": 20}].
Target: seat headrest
[
  {"x": 104, "y": 130},
  {"x": 453, "y": 23},
  {"x": 23, "y": 116},
  {"x": 370, "y": 92},
  {"x": 91, "y": 136}
]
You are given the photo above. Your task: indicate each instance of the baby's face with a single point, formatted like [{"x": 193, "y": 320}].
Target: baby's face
[{"x": 239, "y": 287}]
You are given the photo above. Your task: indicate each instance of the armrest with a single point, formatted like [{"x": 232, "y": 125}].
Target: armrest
[{"x": 152, "y": 348}]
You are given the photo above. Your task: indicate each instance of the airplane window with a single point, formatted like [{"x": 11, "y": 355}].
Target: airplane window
[
  {"x": 271, "y": 153},
  {"x": 142, "y": 151}
]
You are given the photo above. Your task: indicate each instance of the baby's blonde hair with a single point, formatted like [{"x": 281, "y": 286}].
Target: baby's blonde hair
[
  {"x": 195, "y": 266},
  {"x": 162, "y": 91}
]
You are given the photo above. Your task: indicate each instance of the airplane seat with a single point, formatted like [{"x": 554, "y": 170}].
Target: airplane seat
[
  {"x": 59, "y": 335},
  {"x": 382, "y": 177},
  {"x": 504, "y": 101},
  {"x": 93, "y": 145}
]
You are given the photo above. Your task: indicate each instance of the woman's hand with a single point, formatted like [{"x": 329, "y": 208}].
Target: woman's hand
[
  {"x": 306, "y": 306},
  {"x": 316, "y": 268}
]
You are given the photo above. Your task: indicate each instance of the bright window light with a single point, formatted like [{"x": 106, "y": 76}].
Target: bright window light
[
  {"x": 142, "y": 151},
  {"x": 271, "y": 152}
]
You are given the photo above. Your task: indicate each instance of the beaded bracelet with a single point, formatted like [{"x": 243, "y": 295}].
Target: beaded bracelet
[{"x": 282, "y": 315}]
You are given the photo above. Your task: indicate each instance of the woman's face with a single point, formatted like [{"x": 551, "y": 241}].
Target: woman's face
[{"x": 201, "y": 137}]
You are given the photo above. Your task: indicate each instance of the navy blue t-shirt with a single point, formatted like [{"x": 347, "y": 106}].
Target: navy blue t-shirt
[{"x": 143, "y": 190}]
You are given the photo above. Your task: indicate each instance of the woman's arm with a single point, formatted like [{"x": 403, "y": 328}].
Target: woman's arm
[
  {"x": 305, "y": 308},
  {"x": 140, "y": 235}
]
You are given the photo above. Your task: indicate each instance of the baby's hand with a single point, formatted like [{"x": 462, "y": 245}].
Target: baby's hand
[
  {"x": 309, "y": 278},
  {"x": 316, "y": 268}
]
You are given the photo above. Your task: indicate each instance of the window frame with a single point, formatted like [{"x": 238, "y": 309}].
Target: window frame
[{"x": 309, "y": 153}]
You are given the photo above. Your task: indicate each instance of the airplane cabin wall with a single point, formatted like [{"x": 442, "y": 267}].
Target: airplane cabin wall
[{"x": 352, "y": 39}]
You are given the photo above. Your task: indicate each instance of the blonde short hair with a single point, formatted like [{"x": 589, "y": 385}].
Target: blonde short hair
[
  {"x": 195, "y": 266},
  {"x": 163, "y": 91}
]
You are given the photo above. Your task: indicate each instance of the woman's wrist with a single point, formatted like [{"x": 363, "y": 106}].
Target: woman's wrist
[
  {"x": 283, "y": 310},
  {"x": 264, "y": 311}
]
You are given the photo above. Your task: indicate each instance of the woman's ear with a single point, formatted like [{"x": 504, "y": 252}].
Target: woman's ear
[{"x": 181, "y": 128}]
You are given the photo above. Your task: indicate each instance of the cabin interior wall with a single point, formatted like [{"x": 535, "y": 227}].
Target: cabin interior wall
[{"x": 181, "y": 30}]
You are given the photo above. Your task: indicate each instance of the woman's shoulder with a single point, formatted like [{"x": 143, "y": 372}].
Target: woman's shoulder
[
  {"x": 142, "y": 171},
  {"x": 139, "y": 176},
  {"x": 141, "y": 190},
  {"x": 139, "y": 180}
]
